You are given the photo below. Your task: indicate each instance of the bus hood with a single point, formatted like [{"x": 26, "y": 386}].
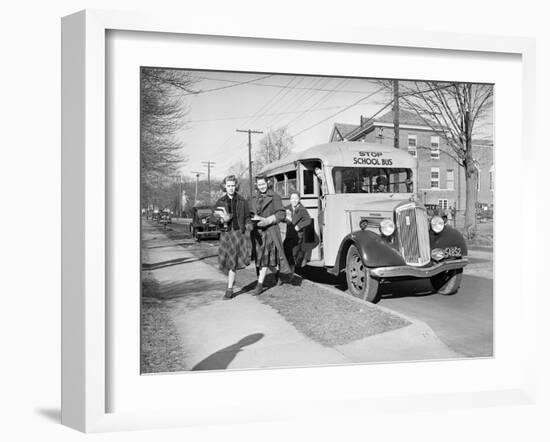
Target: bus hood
[
  {"x": 360, "y": 207},
  {"x": 381, "y": 203}
]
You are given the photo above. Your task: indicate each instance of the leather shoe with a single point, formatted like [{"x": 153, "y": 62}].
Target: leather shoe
[
  {"x": 258, "y": 289},
  {"x": 228, "y": 294}
]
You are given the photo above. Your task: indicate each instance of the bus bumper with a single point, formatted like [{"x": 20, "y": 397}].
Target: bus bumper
[{"x": 419, "y": 272}]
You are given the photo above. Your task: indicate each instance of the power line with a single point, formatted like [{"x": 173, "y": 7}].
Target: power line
[
  {"x": 322, "y": 99},
  {"x": 268, "y": 115},
  {"x": 284, "y": 92},
  {"x": 339, "y": 112},
  {"x": 232, "y": 85},
  {"x": 251, "y": 82},
  {"x": 299, "y": 99}
]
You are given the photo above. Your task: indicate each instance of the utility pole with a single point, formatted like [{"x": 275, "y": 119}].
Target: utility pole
[
  {"x": 250, "y": 132},
  {"x": 196, "y": 185},
  {"x": 396, "y": 114},
  {"x": 209, "y": 165}
]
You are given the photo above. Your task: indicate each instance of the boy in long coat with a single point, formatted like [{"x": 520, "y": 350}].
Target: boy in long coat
[
  {"x": 267, "y": 246},
  {"x": 297, "y": 220}
]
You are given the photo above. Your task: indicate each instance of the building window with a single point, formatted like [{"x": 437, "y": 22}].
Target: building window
[
  {"x": 492, "y": 179},
  {"x": 450, "y": 179},
  {"x": 434, "y": 183},
  {"x": 412, "y": 145},
  {"x": 443, "y": 203},
  {"x": 434, "y": 148}
]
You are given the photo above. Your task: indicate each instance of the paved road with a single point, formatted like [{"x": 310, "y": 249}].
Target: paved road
[{"x": 463, "y": 321}]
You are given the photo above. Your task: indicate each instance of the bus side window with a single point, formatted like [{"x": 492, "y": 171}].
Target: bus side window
[
  {"x": 291, "y": 183},
  {"x": 309, "y": 186}
]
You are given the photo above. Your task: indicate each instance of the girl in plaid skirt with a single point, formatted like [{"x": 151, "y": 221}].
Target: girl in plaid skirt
[
  {"x": 234, "y": 248},
  {"x": 267, "y": 249}
]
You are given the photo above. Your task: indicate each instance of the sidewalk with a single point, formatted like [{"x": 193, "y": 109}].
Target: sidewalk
[{"x": 247, "y": 333}]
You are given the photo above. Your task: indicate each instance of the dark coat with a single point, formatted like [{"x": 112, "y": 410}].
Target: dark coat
[
  {"x": 265, "y": 205},
  {"x": 243, "y": 212},
  {"x": 300, "y": 218}
]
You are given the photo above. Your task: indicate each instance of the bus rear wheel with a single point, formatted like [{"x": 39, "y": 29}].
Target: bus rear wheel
[{"x": 360, "y": 282}]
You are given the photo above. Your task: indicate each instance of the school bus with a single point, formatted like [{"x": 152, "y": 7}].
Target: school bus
[{"x": 367, "y": 218}]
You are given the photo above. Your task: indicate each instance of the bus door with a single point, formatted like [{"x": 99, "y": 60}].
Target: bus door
[{"x": 309, "y": 195}]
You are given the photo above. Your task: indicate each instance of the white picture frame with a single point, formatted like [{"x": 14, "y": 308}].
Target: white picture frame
[{"x": 86, "y": 232}]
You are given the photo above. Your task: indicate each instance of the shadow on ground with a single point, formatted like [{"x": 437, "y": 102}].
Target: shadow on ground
[
  {"x": 221, "y": 359},
  {"x": 320, "y": 275},
  {"x": 172, "y": 262},
  {"x": 193, "y": 288}
]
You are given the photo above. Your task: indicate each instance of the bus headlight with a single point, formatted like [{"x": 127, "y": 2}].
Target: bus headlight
[
  {"x": 204, "y": 221},
  {"x": 387, "y": 227},
  {"x": 437, "y": 224}
]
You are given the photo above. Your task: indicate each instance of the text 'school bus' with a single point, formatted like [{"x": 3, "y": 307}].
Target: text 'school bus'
[{"x": 366, "y": 218}]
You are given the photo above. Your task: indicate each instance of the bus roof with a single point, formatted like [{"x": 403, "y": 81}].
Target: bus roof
[{"x": 346, "y": 154}]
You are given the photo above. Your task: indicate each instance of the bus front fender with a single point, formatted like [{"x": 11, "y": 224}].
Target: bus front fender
[{"x": 375, "y": 251}]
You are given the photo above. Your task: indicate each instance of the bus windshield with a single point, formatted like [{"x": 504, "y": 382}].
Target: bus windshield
[{"x": 372, "y": 180}]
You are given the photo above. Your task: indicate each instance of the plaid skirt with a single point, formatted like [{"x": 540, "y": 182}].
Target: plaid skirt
[
  {"x": 265, "y": 252},
  {"x": 234, "y": 251}
]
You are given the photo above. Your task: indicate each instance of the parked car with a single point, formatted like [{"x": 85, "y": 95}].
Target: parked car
[
  {"x": 204, "y": 223},
  {"x": 166, "y": 217},
  {"x": 484, "y": 212}
]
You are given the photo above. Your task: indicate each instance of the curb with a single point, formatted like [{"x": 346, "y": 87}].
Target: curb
[{"x": 418, "y": 337}]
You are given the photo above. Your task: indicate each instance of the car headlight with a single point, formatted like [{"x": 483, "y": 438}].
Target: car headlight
[
  {"x": 203, "y": 220},
  {"x": 387, "y": 227},
  {"x": 437, "y": 224}
]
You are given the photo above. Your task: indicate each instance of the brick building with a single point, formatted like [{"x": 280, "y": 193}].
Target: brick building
[{"x": 441, "y": 180}]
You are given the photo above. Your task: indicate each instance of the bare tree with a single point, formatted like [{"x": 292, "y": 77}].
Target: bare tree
[
  {"x": 163, "y": 114},
  {"x": 240, "y": 170},
  {"x": 454, "y": 111},
  {"x": 275, "y": 145}
]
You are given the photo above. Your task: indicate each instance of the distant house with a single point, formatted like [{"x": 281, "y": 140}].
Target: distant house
[{"x": 440, "y": 178}]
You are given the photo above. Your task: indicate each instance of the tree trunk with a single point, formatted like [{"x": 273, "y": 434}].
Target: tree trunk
[
  {"x": 471, "y": 197},
  {"x": 396, "y": 114}
]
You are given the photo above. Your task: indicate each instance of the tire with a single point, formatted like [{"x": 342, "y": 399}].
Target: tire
[
  {"x": 447, "y": 283},
  {"x": 360, "y": 282},
  {"x": 194, "y": 234}
]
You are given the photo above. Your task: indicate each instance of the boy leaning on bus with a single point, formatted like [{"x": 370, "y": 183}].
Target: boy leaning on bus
[{"x": 297, "y": 219}]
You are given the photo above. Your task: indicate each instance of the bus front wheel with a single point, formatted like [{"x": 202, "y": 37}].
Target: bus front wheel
[{"x": 360, "y": 282}]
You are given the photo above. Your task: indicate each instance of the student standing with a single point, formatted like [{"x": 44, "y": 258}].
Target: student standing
[
  {"x": 267, "y": 246},
  {"x": 297, "y": 219},
  {"x": 234, "y": 246}
]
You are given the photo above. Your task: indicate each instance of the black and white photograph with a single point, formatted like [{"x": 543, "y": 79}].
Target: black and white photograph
[{"x": 302, "y": 220}]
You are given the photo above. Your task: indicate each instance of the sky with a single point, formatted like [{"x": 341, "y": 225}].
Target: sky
[{"x": 308, "y": 106}]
